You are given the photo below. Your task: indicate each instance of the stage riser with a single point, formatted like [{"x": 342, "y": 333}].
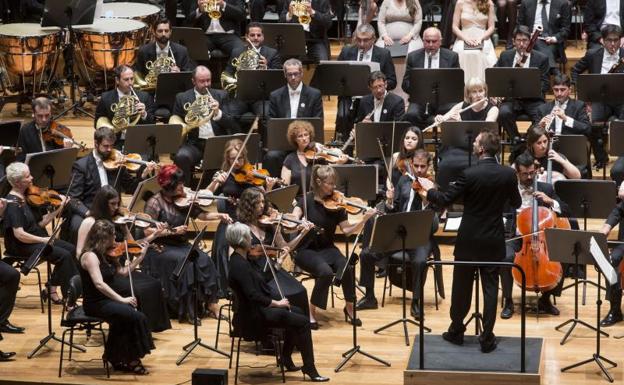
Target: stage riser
[{"x": 472, "y": 378}]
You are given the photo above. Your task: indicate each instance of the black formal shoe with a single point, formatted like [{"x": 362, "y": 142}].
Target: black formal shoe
[
  {"x": 454, "y": 338},
  {"x": 290, "y": 366},
  {"x": 508, "y": 309},
  {"x": 545, "y": 306},
  {"x": 612, "y": 318},
  {"x": 415, "y": 310},
  {"x": 487, "y": 347},
  {"x": 367, "y": 303},
  {"x": 8, "y": 327},
  {"x": 314, "y": 375},
  {"x": 314, "y": 325},
  {"x": 348, "y": 319},
  {"x": 6, "y": 356},
  {"x": 381, "y": 273}
]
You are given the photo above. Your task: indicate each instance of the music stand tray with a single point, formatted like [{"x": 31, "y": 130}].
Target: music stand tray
[
  {"x": 436, "y": 86},
  {"x": 194, "y": 39},
  {"x": 359, "y": 180},
  {"x": 154, "y": 139},
  {"x": 278, "y": 127},
  {"x": 513, "y": 82},
  {"x": 365, "y": 148},
  {"x": 169, "y": 84},
  {"x": 214, "y": 147},
  {"x": 283, "y": 197},
  {"x": 616, "y": 138},
  {"x": 55, "y": 13},
  {"x": 461, "y": 134},
  {"x": 287, "y": 38},
  {"x": 255, "y": 85},
  {"x": 52, "y": 169},
  {"x": 143, "y": 192},
  {"x": 341, "y": 79},
  {"x": 604, "y": 88}
]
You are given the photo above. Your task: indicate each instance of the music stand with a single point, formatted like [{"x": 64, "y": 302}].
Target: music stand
[
  {"x": 287, "y": 38},
  {"x": 255, "y": 85},
  {"x": 461, "y": 134},
  {"x": 169, "y": 84},
  {"x": 214, "y": 147},
  {"x": 194, "y": 39},
  {"x": 143, "y": 192},
  {"x": 616, "y": 137},
  {"x": 401, "y": 231},
  {"x": 153, "y": 139},
  {"x": 508, "y": 82},
  {"x": 573, "y": 246},
  {"x": 52, "y": 169},
  {"x": 358, "y": 180},
  {"x": 365, "y": 148},
  {"x": 283, "y": 197},
  {"x": 277, "y": 140},
  {"x": 10, "y": 135}
]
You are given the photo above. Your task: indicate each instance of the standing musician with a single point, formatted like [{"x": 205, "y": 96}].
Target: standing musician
[
  {"x": 25, "y": 233},
  {"x": 602, "y": 59},
  {"x": 320, "y": 16},
  {"x": 485, "y": 188},
  {"x": 257, "y": 309},
  {"x": 224, "y": 32},
  {"x": 538, "y": 142},
  {"x": 162, "y": 207},
  {"x": 318, "y": 254},
  {"x": 526, "y": 171},
  {"x": 192, "y": 151},
  {"x": 129, "y": 338},
  {"x": 596, "y": 15},
  {"x": 431, "y": 56},
  {"x": 402, "y": 198},
  {"x": 380, "y": 105},
  {"x": 147, "y": 290},
  {"x": 614, "y": 292}
]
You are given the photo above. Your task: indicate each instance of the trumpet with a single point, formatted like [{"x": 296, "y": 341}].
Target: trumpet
[
  {"x": 300, "y": 9},
  {"x": 212, "y": 9}
]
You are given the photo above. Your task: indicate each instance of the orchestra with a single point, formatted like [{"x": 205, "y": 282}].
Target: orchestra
[{"x": 123, "y": 220}]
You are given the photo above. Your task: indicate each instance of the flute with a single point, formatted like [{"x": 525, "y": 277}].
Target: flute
[{"x": 436, "y": 124}]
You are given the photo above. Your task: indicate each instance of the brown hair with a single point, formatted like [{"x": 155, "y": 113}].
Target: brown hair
[
  {"x": 247, "y": 203},
  {"x": 295, "y": 127},
  {"x": 483, "y": 6},
  {"x": 100, "y": 238}
]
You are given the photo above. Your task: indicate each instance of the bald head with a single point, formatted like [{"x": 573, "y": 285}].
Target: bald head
[
  {"x": 432, "y": 39},
  {"x": 202, "y": 79}
]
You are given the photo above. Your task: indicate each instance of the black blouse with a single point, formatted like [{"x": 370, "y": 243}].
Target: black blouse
[
  {"x": 161, "y": 210},
  {"x": 20, "y": 214},
  {"x": 323, "y": 218},
  {"x": 297, "y": 169},
  {"x": 91, "y": 293},
  {"x": 471, "y": 114},
  {"x": 231, "y": 189}
]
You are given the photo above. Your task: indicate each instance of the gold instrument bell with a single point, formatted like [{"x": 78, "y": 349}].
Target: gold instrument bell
[
  {"x": 213, "y": 9},
  {"x": 162, "y": 64},
  {"x": 249, "y": 59},
  {"x": 300, "y": 9},
  {"x": 125, "y": 114},
  {"x": 197, "y": 113}
]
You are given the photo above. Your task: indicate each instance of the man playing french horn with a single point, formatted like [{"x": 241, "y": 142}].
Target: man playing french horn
[{"x": 221, "y": 20}]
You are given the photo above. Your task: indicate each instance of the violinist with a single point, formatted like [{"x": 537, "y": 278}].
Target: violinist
[
  {"x": 614, "y": 292},
  {"x": 174, "y": 246},
  {"x": 412, "y": 141},
  {"x": 129, "y": 338},
  {"x": 147, "y": 290},
  {"x": 526, "y": 171},
  {"x": 25, "y": 232},
  {"x": 538, "y": 145},
  {"x": 402, "y": 198},
  {"x": 318, "y": 255}
]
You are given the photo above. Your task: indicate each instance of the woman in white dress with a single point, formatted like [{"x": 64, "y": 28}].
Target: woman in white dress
[
  {"x": 399, "y": 22},
  {"x": 473, "y": 24}
]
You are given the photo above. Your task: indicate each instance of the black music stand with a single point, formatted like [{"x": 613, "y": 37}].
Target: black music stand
[
  {"x": 401, "y": 231},
  {"x": 255, "y": 85},
  {"x": 358, "y": 180},
  {"x": 10, "y": 134},
  {"x": 573, "y": 246},
  {"x": 462, "y": 134},
  {"x": 283, "y": 198},
  {"x": 506, "y": 82},
  {"x": 277, "y": 128},
  {"x": 214, "y": 147},
  {"x": 169, "y": 84},
  {"x": 194, "y": 39},
  {"x": 616, "y": 135},
  {"x": 191, "y": 258},
  {"x": 52, "y": 169},
  {"x": 153, "y": 139},
  {"x": 365, "y": 148},
  {"x": 287, "y": 38},
  {"x": 143, "y": 192}
]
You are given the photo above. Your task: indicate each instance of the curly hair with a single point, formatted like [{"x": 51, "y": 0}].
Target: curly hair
[
  {"x": 483, "y": 6},
  {"x": 247, "y": 203},
  {"x": 295, "y": 127},
  {"x": 233, "y": 145},
  {"x": 100, "y": 238}
]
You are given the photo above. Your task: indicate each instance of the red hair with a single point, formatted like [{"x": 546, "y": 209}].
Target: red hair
[{"x": 167, "y": 174}]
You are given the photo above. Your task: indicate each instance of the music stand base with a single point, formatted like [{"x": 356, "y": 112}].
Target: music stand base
[
  {"x": 478, "y": 318},
  {"x": 188, "y": 348},
  {"x": 53, "y": 337},
  {"x": 574, "y": 322},
  {"x": 597, "y": 359},
  {"x": 351, "y": 352},
  {"x": 404, "y": 321}
]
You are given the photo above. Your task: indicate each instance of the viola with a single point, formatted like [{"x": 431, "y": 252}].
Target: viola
[
  {"x": 39, "y": 197},
  {"x": 337, "y": 201},
  {"x": 132, "y": 162},
  {"x": 119, "y": 249},
  {"x": 248, "y": 174},
  {"x": 57, "y": 133},
  {"x": 329, "y": 155},
  {"x": 204, "y": 198}
]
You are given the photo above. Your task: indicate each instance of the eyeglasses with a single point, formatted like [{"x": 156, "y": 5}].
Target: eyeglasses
[{"x": 293, "y": 74}]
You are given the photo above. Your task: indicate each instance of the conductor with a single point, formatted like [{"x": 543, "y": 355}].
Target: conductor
[{"x": 485, "y": 189}]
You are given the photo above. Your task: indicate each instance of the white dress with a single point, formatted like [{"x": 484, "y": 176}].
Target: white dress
[
  {"x": 395, "y": 21},
  {"x": 473, "y": 23}
]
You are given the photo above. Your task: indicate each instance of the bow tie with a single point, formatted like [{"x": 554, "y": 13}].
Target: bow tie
[{"x": 294, "y": 92}]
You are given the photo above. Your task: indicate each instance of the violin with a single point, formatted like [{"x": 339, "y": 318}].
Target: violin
[
  {"x": 249, "y": 175},
  {"x": 140, "y": 220},
  {"x": 287, "y": 222},
  {"x": 329, "y": 155},
  {"x": 203, "y": 199},
  {"x": 119, "y": 249},
  {"x": 416, "y": 186},
  {"x": 39, "y": 197},
  {"x": 337, "y": 201},
  {"x": 132, "y": 162},
  {"x": 258, "y": 251},
  {"x": 56, "y": 133}
]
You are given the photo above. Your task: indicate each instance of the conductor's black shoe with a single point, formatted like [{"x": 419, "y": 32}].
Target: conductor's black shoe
[
  {"x": 367, "y": 303},
  {"x": 508, "y": 309},
  {"x": 612, "y": 318},
  {"x": 6, "y": 356},
  {"x": 454, "y": 338},
  {"x": 8, "y": 327},
  {"x": 415, "y": 310},
  {"x": 381, "y": 273},
  {"x": 489, "y": 346},
  {"x": 545, "y": 306}
]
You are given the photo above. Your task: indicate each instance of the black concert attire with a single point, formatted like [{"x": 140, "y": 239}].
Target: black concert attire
[
  {"x": 485, "y": 189},
  {"x": 309, "y": 104},
  {"x": 317, "y": 42},
  {"x": 161, "y": 264},
  {"x": 614, "y": 292},
  {"x": 298, "y": 170},
  {"x": 555, "y": 18},
  {"x": 30, "y": 140},
  {"x": 9, "y": 284},
  {"x": 417, "y": 114},
  {"x": 192, "y": 150},
  {"x": 257, "y": 8},
  {"x": 391, "y": 109},
  {"x": 228, "y": 37},
  {"x": 594, "y": 19},
  {"x": 20, "y": 214},
  {"x": 318, "y": 255},
  {"x": 148, "y": 53},
  {"x": 129, "y": 338},
  {"x": 253, "y": 313}
]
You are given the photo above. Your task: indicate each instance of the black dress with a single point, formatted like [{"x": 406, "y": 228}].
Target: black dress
[
  {"x": 129, "y": 338},
  {"x": 297, "y": 169}
]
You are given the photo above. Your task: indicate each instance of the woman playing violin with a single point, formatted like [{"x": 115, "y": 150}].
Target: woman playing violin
[
  {"x": 318, "y": 255},
  {"x": 538, "y": 145},
  {"x": 129, "y": 338},
  {"x": 175, "y": 246},
  {"x": 147, "y": 290},
  {"x": 25, "y": 231},
  {"x": 412, "y": 140}
]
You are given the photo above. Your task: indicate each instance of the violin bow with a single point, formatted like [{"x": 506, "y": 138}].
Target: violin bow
[
  {"x": 129, "y": 267},
  {"x": 194, "y": 198},
  {"x": 64, "y": 205},
  {"x": 383, "y": 157},
  {"x": 240, "y": 151},
  {"x": 279, "y": 289}
]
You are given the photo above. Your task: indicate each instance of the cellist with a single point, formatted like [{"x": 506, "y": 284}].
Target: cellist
[{"x": 526, "y": 170}]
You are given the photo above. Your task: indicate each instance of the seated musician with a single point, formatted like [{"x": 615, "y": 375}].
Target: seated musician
[
  {"x": 380, "y": 105},
  {"x": 538, "y": 146},
  {"x": 25, "y": 233},
  {"x": 596, "y": 15},
  {"x": 318, "y": 255},
  {"x": 294, "y": 100},
  {"x": 431, "y": 56},
  {"x": 565, "y": 115},
  {"x": 412, "y": 141},
  {"x": 223, "y": 33},
  {"x": 146, "y": 289},
  {"x": 257, "y": 309},
  {"x": 192, "y": 151},
  {"x": 555, "y": 18},
  {"x": 320, "y": 14},
  {"x": 546, "y": 196},
  {"x": 614, "y": 292},
  {"x": 364, "y": 51},
  {"x": 510, "y": 109},
  {"x": 602, "y": 59},
  {"x": 402, "y": 198},
  {"x": 141, "y": 105}
]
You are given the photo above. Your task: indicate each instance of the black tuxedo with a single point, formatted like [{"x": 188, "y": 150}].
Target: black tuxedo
[
  {"x": 593, "y": 18},
  {"x": 537, "y": 60},
  {"x": 574, "y": 109},
  {"x": 231, "y": 19},
  {"x": 591, "y": 62},
  {"x": 273, "y": 58},
  {"x": 310, "y": 103},
  {"x": 148, "y": 53},
  {"x": 393, "y": 108},
  {"x": 379, "y": 55},
  {"x": 316, "y": 40},
  {"x": 614, "y": 292},
  {"x": 29, "y": 141},
  {"x": 486, "y": 188},
  {"x": 108, "y": 98}
]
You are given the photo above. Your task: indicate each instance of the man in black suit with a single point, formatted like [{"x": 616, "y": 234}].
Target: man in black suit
[
  {"x": 565, "y": 115},
  {"x": 223, "y": 33},
  {"x": 257, "y": 8},
  {"x": 546, "y": 197},
  {"x": 614, "y": 292},
  {"x": 364, "y": 50},
  {"x": 380, "y": 105},
  {"x": 192, "y": 151},
  {"x": 317, "y": 42},
  {"x": 436, "y": 57},
  {"x": 600, "y": 60},
  {"x": 555, "y": 18},
  {"x": 597, "y": 14},
  {"x": 509, "y": 110},
  {"x": 163, "y": 46},
  {"x": 294, "y": 100},
  {"x": 485, "y": 188}
]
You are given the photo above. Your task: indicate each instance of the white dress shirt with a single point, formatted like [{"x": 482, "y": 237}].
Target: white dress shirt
[
  {"x": 517, "y": 59},
  {"x": 538, "y": 13},
  {"x": 378, "y": 107},
  {"x": 559, "y": 123},
  {"x": 435, "y": 60},
  {"x": 164, "y": 51},
  {"x": 101, "y": 169},
  {"x": 367, "y": 57},
  {"x": 205, "y": 130},
  {"x": 612, "y": 14},
  {"x": 608, "y": 61},
  {"x": 294, "y": 96}
]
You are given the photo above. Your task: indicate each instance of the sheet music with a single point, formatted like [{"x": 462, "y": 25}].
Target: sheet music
[
  {"x": 373, "y": 65},
  {"x": 604, "y": 265}
]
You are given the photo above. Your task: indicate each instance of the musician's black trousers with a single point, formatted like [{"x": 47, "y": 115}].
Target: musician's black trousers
[
  {"x": 614, "y": 292},
  {"x": 9, "y": 282}
]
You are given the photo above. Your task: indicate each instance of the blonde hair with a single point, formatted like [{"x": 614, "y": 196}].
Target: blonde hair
[
  {"x": 321, "y": 173},
  {"x": 233, "y": 145},
  {"x": 474, "y": 83}
]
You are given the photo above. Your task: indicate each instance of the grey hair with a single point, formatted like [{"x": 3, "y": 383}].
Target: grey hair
[
  {"x": 200, "y": 68},
  {"x": 15, "y": 172},
  {"x": 292, "y": 62},
  {"x": 41, "y": 103},
  {"x": 365, "y": 28},
  {"x": 238, "y": 235}
]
